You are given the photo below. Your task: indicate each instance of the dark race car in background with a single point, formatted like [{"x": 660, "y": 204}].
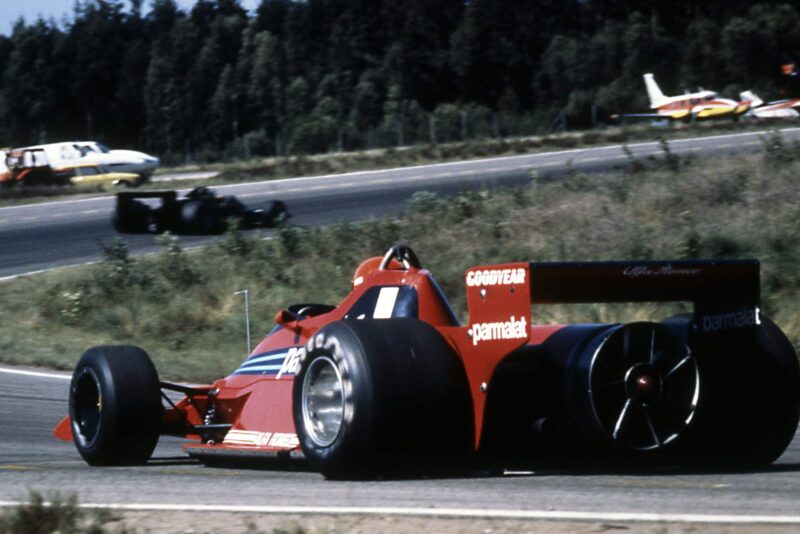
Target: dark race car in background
[
  {"x": 201, "y": 211},
  {"x": 389, "y": 382}
]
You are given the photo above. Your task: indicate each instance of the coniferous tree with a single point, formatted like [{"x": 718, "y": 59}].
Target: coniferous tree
[{"x": 317, "y": 75}]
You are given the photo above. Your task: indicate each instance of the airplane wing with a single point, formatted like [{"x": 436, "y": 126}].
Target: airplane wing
[
  {"x": 675, "y": 115},
  {"x": 777, "y": 109}
]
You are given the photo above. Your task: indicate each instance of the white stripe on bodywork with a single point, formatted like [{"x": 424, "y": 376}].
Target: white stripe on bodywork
[{"x": 385, "y": 305}]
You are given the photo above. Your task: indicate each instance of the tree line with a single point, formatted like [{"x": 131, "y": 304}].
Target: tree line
[{"x": 309, "y": 76}]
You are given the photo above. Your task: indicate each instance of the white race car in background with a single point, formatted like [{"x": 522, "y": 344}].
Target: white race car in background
[{"x": 70, "y": 154}]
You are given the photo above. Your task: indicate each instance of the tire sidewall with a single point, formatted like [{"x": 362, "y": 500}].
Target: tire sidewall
[
  {"x": 200, "y": 216},
  {"x": 93, "y": 365},
  {"x": 407, "y": 405},
  {"x": 749, "y": 404},
  {"x": 354, "y": 441},
  {"x": 130, "y": 405}
]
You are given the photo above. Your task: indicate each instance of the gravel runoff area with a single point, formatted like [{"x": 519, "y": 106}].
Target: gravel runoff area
[{"x": 199, "y": 522}]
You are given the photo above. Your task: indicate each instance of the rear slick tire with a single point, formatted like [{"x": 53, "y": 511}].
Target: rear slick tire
[
  {"x": 750, "y": 405},
  {"x": 381, "y": 398},
  {"x": 133, "y": 219},
  {"x": 115, "y": 406},
  {"x": 201, "y": 216}
]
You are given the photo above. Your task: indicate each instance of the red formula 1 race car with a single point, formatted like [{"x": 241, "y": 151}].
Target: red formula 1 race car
[{"x": 389, "y": 379}]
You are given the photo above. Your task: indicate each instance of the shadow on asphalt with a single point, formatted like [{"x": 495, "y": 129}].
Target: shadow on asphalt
[{"x": 566, "y": 468}]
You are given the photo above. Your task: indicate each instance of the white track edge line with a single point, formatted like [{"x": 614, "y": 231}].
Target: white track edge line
[
  {"x": 448, "y": 513},
  {"x": 435, "y": 165},
  {"x": 37, "y": 374}
]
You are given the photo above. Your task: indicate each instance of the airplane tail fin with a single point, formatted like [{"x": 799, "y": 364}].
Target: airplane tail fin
[
  {"x": 750, "y": 96},
  {"x": 653, "y": 91}
]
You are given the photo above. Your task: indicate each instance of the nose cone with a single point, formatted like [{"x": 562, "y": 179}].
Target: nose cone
[
  {"x": 151, "y": 162},
  {"x": 151, "y": 159}
]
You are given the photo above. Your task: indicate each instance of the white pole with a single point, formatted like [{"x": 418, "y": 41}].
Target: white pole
[{"x": 247, "y": 315}]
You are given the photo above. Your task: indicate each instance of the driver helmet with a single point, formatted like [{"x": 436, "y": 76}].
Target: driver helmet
[{"x": 368, "y": 266}]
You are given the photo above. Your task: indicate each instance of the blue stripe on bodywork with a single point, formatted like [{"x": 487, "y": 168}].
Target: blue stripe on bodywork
[
  {"x": 259, "y": 369},
  {"x": 262, "y": 358},
  {"x": 264, "y": 363}
]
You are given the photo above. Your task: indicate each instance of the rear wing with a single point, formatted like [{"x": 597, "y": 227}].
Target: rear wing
[
  {"x": 703, "y": 281},
  {"x": 125, "y": 199},
  {"x": 127, "y": 196},
  {"x": 726, "y": 293}
]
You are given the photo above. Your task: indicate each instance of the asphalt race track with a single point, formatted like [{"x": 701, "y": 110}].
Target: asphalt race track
[
  {"x": 31, "y": 459},
  {"x": 43, "y": 236},
  {"x": 67, "y": 232}
]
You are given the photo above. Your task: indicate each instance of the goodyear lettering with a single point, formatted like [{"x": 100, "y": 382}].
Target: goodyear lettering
[
  {"x": 496, "y": 277},
  {"x": 512, "y": 329},
  {"x": 731, "y": 320},
  {"x": 291, "y": 364}
]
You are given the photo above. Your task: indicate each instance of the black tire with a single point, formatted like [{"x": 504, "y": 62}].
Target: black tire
[
  {"x": 201, "y": 216},
  {"x": 115, "y": 406},
  {"x": 750, "y": 402},
  {"x": 134, "y": 219},
  {"x": 275, "y": 213},
  {"x": 397, "y": 393}
]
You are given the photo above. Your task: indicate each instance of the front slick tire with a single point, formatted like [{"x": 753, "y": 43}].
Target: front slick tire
[
  {"x": 381, "y": 398},
  {"x": 115, "y": 406}
]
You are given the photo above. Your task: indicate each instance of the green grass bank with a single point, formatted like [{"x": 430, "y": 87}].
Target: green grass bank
[{"x": 180, "y": 306}]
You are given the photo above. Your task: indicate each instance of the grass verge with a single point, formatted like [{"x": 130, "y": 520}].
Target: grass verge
[
  {"x": 58, "y": 514},
  {"x": 181, "y": 306}
]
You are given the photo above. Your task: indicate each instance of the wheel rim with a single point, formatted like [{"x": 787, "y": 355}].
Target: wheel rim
[
  {"x": 87, "y": 404},
  {"x": 323, "y": 401},
  {"x": 644, "y": 385}
]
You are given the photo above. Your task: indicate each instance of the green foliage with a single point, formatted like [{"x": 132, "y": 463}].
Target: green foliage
[
  {"x": 424, "y": 202},
  {"x": 672, "y": 161},
  {"x": 174, "y": 265},
  {"x": 235, "y": 244},
  {"x": 777, "y": 151},
  {"x": 215, "y": 82},
  {"x": 58, "y": 514},
  {"x": 36, "y": 517},
  {"x": 117, "y": 271}
]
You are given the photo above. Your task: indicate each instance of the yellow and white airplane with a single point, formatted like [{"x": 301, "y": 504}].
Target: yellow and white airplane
[{"x": 692, "y": 106}]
